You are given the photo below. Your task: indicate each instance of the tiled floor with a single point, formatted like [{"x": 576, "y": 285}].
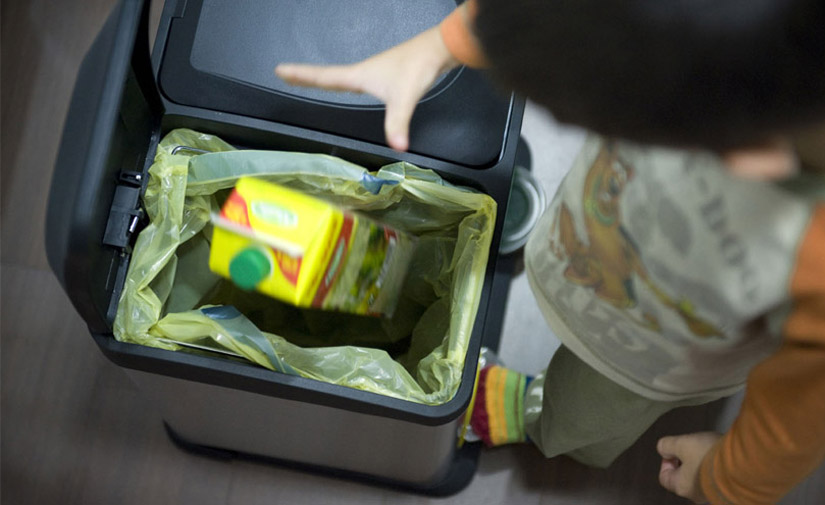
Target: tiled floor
[{"x": 75, "y": 430}]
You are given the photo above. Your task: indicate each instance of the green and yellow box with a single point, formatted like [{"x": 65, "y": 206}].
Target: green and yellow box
[{"x": 308, "y": 252}]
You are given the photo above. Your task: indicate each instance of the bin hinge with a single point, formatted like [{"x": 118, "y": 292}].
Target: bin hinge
[{"x": 125, "y": 214}]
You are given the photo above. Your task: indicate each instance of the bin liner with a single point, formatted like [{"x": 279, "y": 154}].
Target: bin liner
[{"x": 172, "y": 301}]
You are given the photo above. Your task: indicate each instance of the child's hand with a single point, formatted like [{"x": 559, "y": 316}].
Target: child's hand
[
  {"x": 681, "y": 457},
  {"x": 399, "y": 77}
]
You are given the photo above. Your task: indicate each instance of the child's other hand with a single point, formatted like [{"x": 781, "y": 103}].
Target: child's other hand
[
  {"x": 681, "y": 458},
  {"x": 399, "y": 77},
  {"x": 773, "y": 160}
]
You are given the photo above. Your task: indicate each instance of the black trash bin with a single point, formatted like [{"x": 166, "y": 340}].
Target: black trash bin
[{"x": 211, "y": 71}]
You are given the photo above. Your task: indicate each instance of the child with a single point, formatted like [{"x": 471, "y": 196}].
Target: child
[{"x": 669, "y": 280}]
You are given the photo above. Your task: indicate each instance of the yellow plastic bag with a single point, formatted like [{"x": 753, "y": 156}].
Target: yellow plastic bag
[{"x": 171, "y": 300}]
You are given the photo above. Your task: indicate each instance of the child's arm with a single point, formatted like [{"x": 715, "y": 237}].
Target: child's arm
[
  {"x": 779, "y": 436},
  {"x": 401, "y": 75}
]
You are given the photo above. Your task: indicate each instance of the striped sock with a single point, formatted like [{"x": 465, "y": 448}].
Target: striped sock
[{"x": 498, "y": 412}]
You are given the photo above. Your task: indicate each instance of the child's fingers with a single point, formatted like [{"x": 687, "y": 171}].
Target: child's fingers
[
  {"x": 770, "y": 161},
  {"x": 669, "y": 474},
  {"x": 682, "y": 457},
  {"x": 349, "y": 78},
  {"x": 397, "y": 122},
  {"x": 669, "y": 447},
  {"x": 333, "y": 78}
]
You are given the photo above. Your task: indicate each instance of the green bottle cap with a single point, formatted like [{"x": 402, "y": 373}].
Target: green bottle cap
[{"x": 249, "y": 267}]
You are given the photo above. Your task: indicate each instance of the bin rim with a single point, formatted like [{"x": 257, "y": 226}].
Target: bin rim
[{"x": 254, "y": 379}]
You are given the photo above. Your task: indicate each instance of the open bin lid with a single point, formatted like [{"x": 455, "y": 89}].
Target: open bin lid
[{"x": 220, "y": 56}]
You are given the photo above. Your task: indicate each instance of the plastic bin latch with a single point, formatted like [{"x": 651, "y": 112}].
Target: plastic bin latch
[{"x": 125, "y": 214}]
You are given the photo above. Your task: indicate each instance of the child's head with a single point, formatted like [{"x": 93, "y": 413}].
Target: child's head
[{"x": 713, "y": 73}]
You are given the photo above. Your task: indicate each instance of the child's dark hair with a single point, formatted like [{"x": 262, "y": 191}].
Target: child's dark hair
[{"x": 716, "y": 73}]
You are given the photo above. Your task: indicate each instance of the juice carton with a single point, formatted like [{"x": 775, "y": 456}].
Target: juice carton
[{"x": 307, "y": 252}]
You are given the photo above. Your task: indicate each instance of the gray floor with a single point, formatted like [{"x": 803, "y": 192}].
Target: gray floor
[{"x": 74, "y": 429}]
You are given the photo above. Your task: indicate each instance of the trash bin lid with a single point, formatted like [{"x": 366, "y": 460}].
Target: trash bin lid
[{"x": 220, "y": 55}]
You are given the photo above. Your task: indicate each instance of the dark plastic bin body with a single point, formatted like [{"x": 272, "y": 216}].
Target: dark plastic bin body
[{"x": 117, "y": 116}]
